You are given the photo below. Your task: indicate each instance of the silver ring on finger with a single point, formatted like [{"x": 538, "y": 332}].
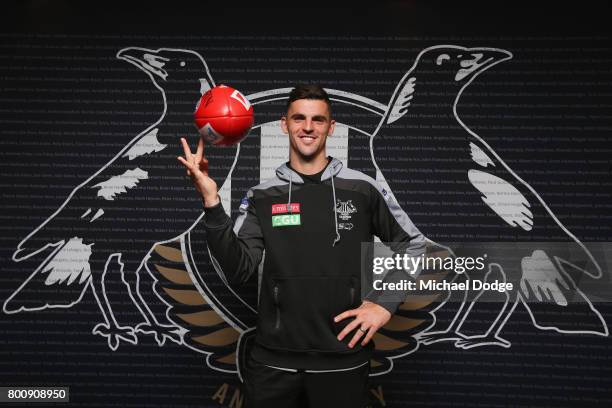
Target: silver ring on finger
[{"x": 361, "y": 329}]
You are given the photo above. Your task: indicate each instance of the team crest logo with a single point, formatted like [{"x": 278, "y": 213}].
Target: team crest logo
[{"x": 345, "y": 209}]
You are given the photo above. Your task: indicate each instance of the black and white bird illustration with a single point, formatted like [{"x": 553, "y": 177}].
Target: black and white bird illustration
[
  {"x": 451, "y": 182},
  {"x": 138, "y": 218},
  {"x": 110, "y": 222}
]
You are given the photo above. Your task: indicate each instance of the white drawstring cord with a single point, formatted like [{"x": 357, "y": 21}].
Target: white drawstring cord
[{"x": 335, "y": 212}]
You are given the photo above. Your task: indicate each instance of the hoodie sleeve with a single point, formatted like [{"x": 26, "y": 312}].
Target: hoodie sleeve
[
  {"x": 392, "y": 225},
  {"x": 237, "y": 250}
]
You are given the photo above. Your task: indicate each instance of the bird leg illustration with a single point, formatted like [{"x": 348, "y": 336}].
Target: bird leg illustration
[
  {"x": 491, "y": 336},
  {"x": 151, "y": 325},
  {"x": 452, "y": 332},
  {"x": 454, "y": 299},
  {"x": 110, "y": 329}
]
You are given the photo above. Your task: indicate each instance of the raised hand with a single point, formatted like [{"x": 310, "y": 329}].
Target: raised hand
[{"x": 197, "y": 168}]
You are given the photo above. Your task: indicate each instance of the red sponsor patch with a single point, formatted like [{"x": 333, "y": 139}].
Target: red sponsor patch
[{"x": 282, "y": 208}]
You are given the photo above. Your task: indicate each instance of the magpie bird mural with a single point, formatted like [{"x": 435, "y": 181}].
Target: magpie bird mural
[{"x": 97, "y": 234}]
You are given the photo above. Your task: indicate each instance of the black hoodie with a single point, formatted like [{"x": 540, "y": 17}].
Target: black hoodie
[{"x": 311, "y": 233}]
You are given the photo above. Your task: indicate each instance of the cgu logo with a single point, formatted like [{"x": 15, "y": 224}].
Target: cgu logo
[{"x": 286, "y": 220}]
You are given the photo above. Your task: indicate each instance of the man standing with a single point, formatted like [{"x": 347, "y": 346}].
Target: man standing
[{"x": 313, "y": 332}]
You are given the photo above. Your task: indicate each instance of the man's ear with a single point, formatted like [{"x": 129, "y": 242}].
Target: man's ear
[
  {"x": 332, "y": 126},
  {"x": 283, "y": 123}
]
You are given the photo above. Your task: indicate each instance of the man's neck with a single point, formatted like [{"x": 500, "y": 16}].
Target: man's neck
[{"x": 308, "y": 167}]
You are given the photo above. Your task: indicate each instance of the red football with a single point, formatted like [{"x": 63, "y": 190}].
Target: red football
[{"x": 223, "y": 116}]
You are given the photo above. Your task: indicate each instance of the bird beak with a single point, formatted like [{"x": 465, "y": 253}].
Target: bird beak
[
  {"x": 478, "y": 60},
  {"x": 147, "y": 60}
]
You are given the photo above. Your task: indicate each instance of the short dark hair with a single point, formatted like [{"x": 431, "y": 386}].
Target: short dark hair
[{"x": 309, "y": 91}]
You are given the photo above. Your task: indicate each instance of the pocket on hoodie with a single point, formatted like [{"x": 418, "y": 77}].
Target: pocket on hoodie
[
  {"x": 347, "y": 297},
  {"x": 304, "y": 309}
]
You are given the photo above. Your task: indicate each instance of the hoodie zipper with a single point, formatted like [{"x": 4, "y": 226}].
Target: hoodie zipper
[
  {"x": 352, "y": 293},
  {"x": 277, "y": 325}
]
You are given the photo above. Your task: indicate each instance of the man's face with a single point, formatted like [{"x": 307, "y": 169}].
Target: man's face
[{"x": 308, "y": 123}]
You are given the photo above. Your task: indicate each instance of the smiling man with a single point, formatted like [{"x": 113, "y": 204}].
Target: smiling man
[
  {"x": 308, "y": 123},
  {"x": 313, "y": 337}
]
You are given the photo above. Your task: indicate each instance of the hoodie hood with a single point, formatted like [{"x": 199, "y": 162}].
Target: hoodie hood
[{"x": 287, "y": 174}]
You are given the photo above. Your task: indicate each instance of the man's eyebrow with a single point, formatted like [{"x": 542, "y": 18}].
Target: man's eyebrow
[{"x": 301, "y": 116}]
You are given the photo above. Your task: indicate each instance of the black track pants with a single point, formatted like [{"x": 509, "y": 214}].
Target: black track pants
[{"x": 268, "y": 387}]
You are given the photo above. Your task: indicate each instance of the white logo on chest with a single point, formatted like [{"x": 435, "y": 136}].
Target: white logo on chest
[{"x": 345, "y": 209}]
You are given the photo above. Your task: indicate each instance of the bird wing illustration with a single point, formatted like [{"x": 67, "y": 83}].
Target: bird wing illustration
[
  {"x": 204, "y": 329},
  {"x": 546, "y": 287},
  {"x": 71, "y": 232},
  {"x": 503, "y": 198},
  {"x": 500, "y": 188},
  {"x": 59, "y": 280}
]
